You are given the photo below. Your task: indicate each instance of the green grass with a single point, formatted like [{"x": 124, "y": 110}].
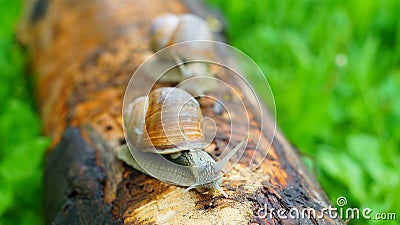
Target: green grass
[
  {"x": 21, "y": 146},
  {"x": 334, "y": 68}
]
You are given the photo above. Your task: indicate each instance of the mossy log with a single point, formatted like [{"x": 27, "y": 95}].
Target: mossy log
[{"x": 83, "y": 54}]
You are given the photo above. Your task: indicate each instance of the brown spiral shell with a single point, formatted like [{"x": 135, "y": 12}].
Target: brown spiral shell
[
  {"x": 171, "y": 110},
  {"x": 134, "y": 119}
]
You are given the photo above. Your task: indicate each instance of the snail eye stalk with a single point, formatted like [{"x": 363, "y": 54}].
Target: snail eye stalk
[
  {"x": 220, "y": 165},
  {"x": 220, "y": 190}
]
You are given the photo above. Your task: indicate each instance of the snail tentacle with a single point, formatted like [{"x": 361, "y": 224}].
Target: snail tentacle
[
  {"x": 220, "y": 165},
  {"x": 216, "y": 186},
  {"x": 190, "y": 187}
]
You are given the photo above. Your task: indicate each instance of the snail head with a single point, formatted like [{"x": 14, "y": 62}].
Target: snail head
[{"x": 209, "y": 173}]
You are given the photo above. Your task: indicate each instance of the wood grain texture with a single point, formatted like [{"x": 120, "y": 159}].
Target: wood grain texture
[{"x": 83, "y": 54}]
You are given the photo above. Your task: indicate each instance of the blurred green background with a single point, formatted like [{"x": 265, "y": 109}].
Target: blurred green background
[
  {"x": 334, "y": 68},
  {"x": 21, "y": 146}
]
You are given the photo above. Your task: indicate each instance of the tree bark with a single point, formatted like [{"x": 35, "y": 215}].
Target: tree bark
[{"x": 83, "y": 54}]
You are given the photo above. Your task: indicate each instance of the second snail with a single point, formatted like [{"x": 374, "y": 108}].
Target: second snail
[
  {"x": 184, "y": 47},
  {"x": 166, "y": 141}
]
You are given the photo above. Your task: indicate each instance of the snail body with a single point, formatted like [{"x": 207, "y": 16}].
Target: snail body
[{"x": 173, "y": 152}]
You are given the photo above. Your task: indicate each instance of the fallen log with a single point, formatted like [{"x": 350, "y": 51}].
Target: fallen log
[{"x": 83, "y": 54}]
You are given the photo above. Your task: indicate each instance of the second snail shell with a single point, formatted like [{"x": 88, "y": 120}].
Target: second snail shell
[
  {"x": 190, "y": 47},
  {"x": 171, "y": 29}
]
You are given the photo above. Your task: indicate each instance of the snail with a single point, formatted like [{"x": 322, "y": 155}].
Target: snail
[
  {"x": 170, "y": 29},
  {"x": 168, "y": 141}
]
